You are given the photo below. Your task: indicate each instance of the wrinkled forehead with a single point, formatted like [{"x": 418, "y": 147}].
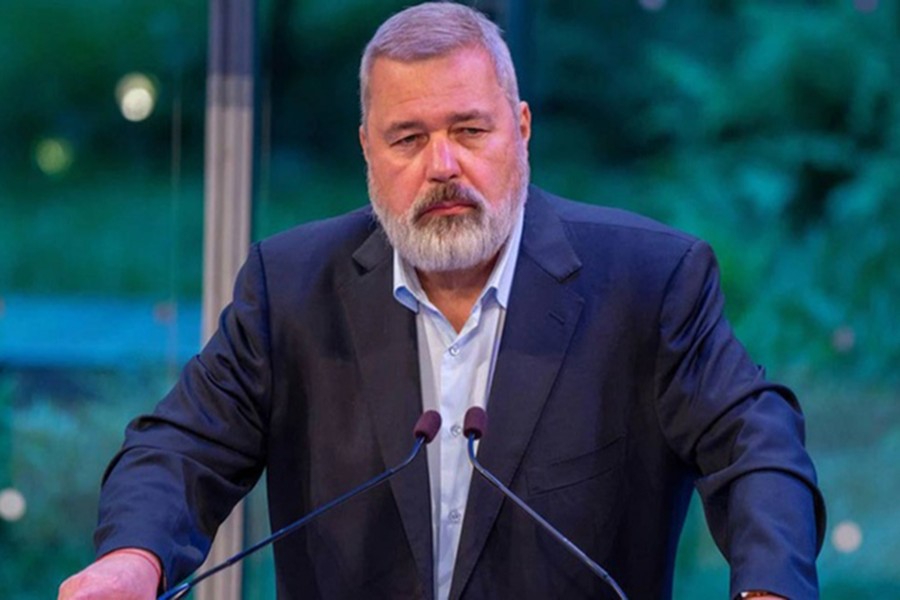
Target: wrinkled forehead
[
  {"x": 435, "y": 74},
  {"x": 462, "y": 81},
  {"x": 413, "y": 59}
]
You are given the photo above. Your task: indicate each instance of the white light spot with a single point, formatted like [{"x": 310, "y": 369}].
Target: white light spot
[
  {"x": 136, "y": 95},
  {"x": 12, "y": 505},
  {"x": 846, "y": 537}
]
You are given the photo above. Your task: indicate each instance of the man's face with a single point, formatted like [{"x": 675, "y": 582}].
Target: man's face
[{"x": 447, "y": 158}]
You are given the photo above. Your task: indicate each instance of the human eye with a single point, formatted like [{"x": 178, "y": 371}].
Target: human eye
[
  {"x": 407, "y": 141},
  {"x": 472, "y": 131}
]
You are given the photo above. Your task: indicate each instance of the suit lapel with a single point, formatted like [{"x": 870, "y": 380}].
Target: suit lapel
[
  {"x": 542, "y": 316},
  {"x": 384, "y": 337}
]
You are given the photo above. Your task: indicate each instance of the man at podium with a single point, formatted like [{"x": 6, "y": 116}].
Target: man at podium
[{"x": 594, "y": 339}]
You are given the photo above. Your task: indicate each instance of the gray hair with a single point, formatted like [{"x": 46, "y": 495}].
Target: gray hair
[{"x": 435, "y": 29}]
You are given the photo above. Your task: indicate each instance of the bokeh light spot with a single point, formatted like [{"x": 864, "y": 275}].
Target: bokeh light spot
[
  {"x": 136, "y": 96},
  {"x": 12, "y": 505},
  {"x": 53, "y": 156},
  {"x": 846, "y": 537}
]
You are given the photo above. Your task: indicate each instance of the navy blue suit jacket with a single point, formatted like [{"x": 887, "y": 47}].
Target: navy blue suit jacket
[{"x": 619, "y": 387}]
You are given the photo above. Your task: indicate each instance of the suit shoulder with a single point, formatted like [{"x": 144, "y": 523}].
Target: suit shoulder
[
  {"x": 607, "y": 239},
  {"x": 579, "y": 215},
  {"x": 325, "y": 236},
  {"x": 315, "y": 255}
]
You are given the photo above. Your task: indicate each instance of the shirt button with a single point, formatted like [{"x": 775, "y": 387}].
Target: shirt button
[
  {"x": 454, "y": 350},
  {"x": 456, "y": 430},
  {"x": 455, "y": 516}
]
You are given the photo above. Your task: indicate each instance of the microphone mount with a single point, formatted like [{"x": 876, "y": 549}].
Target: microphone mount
[
  {"x": 426, "y": 428},
  {"x": 474, "y": 427}
]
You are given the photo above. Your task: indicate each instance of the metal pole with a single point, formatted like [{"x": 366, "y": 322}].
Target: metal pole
[
  {"x": 515, "y": 18},
  {"x": 228, "y": 177}
]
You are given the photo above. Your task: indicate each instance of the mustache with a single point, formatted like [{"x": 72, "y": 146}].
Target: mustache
[{"x": 443, "y": 193}]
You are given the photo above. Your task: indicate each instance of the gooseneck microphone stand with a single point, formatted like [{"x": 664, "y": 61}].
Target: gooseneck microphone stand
[
  {"x": 426, "y": 428},
  {"x": 475, "y": 425}
]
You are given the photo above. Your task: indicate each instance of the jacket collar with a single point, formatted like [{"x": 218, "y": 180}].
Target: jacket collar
[{"x": 542, "y": 315}]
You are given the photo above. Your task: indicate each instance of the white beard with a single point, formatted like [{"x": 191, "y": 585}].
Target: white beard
[{"x": 452, "y": 242}]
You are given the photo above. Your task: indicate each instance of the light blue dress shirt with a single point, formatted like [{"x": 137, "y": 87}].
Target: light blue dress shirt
[{"x": 456, "y": 373}]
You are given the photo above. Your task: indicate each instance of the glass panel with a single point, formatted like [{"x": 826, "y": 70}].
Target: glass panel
[
  {"x": 768, "y": 128},
  {"x": 100, "y": 254}
]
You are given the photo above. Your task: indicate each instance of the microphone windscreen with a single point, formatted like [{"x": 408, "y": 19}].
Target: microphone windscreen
[
  {"x": 428, "y": 425},
  {"x": 475, "y": 422}
]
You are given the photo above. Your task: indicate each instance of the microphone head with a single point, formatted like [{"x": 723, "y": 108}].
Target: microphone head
[
  {"x": 428, "y": 425},
  {"x": 475, "y": 422}
]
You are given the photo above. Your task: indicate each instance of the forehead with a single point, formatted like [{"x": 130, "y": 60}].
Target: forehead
[{"x": 463, "y": 79}]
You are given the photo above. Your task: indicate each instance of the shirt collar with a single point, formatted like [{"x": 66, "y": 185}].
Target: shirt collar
[{"x": 408, "y": 290}]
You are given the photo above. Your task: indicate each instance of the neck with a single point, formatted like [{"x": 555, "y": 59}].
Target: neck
[{"x": 454, "y": 293}]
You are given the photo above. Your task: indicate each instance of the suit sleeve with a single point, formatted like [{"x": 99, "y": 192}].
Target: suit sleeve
[
  {"x": 742, "y": 434},
  {"x": 183, "y": 468}
]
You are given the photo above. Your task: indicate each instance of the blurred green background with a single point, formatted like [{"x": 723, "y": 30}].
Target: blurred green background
[{"x": 770, "y": 128}]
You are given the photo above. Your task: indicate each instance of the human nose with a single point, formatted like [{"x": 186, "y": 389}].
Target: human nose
[{"x": 442, "y": 160}]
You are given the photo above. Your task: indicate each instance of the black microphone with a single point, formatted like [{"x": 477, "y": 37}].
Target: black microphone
[
  {"x": 426, "y": 428},
  {"x": 474, "y": 427}
]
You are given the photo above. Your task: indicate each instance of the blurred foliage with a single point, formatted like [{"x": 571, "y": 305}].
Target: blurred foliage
[
  {"x": 136, "y": 236},
  {"x": 792, "y": 148},
  {"x": 124, "y": 216},
  {"x": 59, "y": 65},
  {"x": 81, "y": 417},
  {"x": 770, "y": 128}
]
